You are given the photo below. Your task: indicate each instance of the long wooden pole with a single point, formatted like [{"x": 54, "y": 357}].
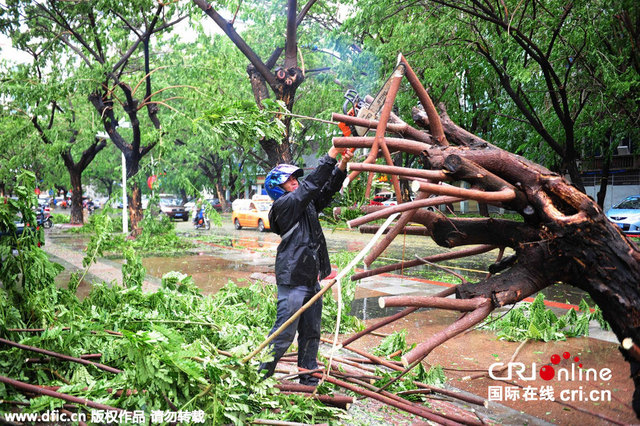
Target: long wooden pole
[
  {"x": 288, "y": 322},
  {"x": 422, "y": 412}
]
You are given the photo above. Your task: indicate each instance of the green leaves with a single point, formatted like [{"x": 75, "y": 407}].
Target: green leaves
[
  {"x": 396, "y": 341},
  {"x": 535, "y": 321},
  {"x": 26, "y": 274},
  {"x": 243, "y": 123}
]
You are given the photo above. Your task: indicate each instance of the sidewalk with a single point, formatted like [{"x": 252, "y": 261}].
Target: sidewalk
[{"x": 102, "y": 270}]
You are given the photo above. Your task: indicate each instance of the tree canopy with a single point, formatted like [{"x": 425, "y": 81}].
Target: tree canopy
[{"x": 532, "y": 76}]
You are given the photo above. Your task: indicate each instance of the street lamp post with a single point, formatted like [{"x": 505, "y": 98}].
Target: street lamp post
[{"x": 125, "y": 225}]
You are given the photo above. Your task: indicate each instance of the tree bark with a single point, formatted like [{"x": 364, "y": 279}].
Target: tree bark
[
  {"x": 75, "y": 174},
  {"x": 604, "y": 179},
  {"x": 77, "y": 217},
  {"x": 135, "y": 209}
]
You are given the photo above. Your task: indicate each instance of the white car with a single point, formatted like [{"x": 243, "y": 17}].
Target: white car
[
  {"x": 190, "y": 205},
  {"x": 626, "y": 215}
]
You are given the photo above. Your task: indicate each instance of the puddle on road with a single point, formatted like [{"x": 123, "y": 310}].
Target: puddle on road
[
  {"x": 62, "y": 281},
  {"x": 209, "y": 273},
  {"x": 265, "y": 242},
  {"x": 253, "y": 244}
]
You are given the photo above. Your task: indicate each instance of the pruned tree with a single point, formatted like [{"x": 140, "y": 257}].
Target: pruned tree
[
  {"x": 283, "y": 80},
  {"x": 564, "y": 235},
  {"x": 74, "y": 168},
  {"x": 47, "y": 116}
]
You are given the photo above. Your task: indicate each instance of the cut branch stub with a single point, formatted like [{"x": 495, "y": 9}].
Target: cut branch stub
[
  {"x": 501, "y": 196},
  {"x": 462, "y": 305},
  {"x": 408, "y": 230},
  {"x": 400, "y": 128},
  {"x": 400, "y": 171},
  {"x": 434, "y": 120},
  {"x": 429, "y": 202},
  {"x": 460, "y": 168},
  {"x": 391, "y": 235},
  {"x": 395, "y": 144}
]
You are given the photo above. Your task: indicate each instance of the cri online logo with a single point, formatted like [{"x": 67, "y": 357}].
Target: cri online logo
[{"x": 548, "y": 372}]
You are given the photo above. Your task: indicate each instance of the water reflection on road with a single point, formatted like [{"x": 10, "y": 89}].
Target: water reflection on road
[
  {"x": 210, "y": 273},
  {"x": 404, "y": 249},
  {"x": 225, "y": 254}
]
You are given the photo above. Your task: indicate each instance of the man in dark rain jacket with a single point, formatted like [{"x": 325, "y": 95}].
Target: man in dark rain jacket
[{"x": 302, "y": 258}]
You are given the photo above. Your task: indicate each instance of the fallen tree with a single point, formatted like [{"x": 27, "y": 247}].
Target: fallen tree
[{"x": 564, "y": 236}]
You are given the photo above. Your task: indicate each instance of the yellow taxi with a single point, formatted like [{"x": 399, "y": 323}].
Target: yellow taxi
[{"x": 252, "y": 213}]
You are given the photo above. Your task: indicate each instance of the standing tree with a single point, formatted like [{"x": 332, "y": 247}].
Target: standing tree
[
  {"x": 21, "y": 148},
  {"x": 211, "y": 148},
  {"x": 108, "y": 44},
  {"x": 50, "y": 117},
  {"x": 283, "y": 80},
  {"x": 75, "y": 168}
]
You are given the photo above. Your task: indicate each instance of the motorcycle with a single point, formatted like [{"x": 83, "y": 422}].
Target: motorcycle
[
  {"x": 201, "y": 221},
  {"x": 89, "y": 205},
  {"x": 44, "y": 217}
]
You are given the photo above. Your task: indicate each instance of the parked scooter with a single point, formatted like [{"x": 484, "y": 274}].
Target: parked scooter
[{"x": 201, "y": 220}]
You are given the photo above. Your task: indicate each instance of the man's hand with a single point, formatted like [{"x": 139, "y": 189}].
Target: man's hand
[
  {"x": 333, "y": 152},
  {"x": 347, "y": 155}
]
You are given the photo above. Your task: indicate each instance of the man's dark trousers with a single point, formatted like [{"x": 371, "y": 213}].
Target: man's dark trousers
[{"x": 290, "y": 300}]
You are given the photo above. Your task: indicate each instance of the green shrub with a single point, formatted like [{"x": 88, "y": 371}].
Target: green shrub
[{"x": 60, "y": 218}]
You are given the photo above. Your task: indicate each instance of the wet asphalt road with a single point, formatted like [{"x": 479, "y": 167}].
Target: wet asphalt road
[
  {"x": 403, "y": 248},
  {"x": 341, "y": 239}
]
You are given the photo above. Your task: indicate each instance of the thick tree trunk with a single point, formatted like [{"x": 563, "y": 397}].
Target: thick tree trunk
[
  {"x": 133, "y": 152},
  {"x": 604, "y": 179},
  {"x": 278, "y": 151},
  {"x": 284, "y": 81},
  {"x": 571, "y": 165},
  {"x": 75, "y": 174},
  {"x": 77, "y": 218},
  {"x": 135, "y": 210},
  {"x": 221, "y": 196}
]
